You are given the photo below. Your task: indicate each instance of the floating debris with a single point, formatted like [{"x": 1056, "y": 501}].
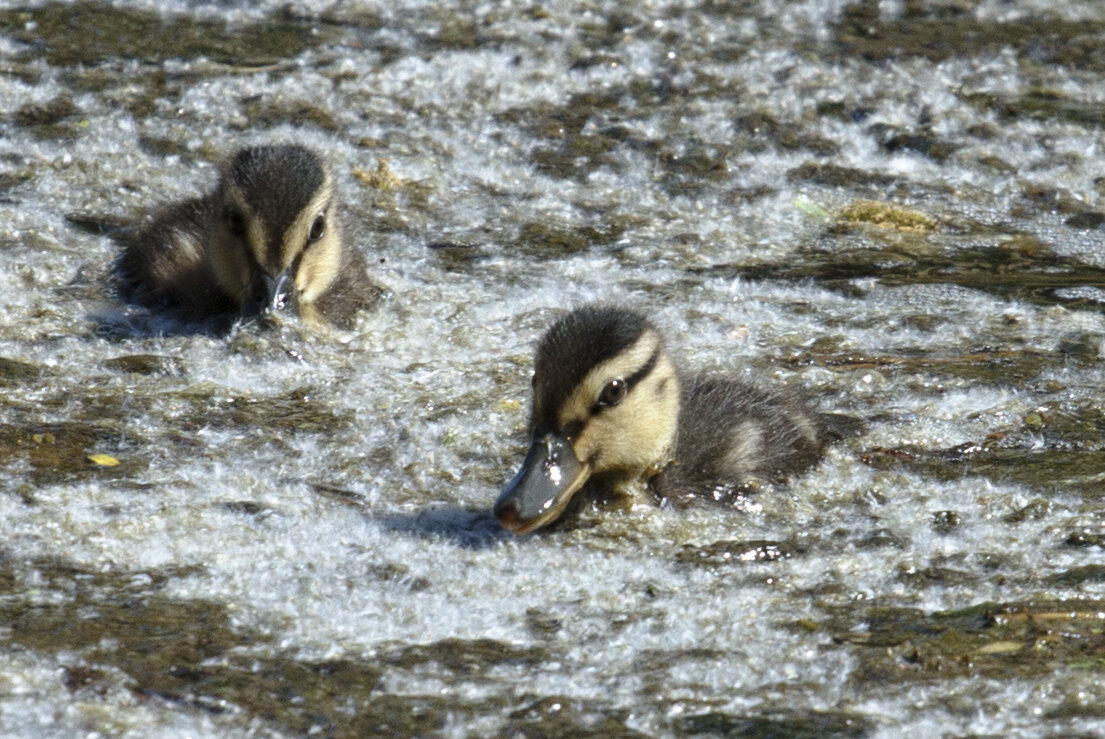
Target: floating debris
[
  {"x": 382, "y": 178},
  {"x": 886, "y": 215}
]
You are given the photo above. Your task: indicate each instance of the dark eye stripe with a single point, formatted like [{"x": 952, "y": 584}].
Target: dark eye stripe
[
  {"x": 635, "y": 378},
  {"x": 573, "y": 429},
  {"x": 645, "y": 370}
]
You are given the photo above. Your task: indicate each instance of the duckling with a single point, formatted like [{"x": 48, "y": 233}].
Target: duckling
[
  {"x": 611, "y": 409},
  {"x": 267, "y": 238}
]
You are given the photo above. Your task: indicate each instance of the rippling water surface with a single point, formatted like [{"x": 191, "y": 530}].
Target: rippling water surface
[{"x": 894, "y": 208}]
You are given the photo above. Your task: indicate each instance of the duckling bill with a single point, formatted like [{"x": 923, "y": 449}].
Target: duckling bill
[
  {"x": 268, "y": 238},
  {"x": 610, "y": 409}
]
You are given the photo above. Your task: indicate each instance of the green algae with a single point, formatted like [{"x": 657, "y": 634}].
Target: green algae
[
  {"x": 1076, "y": 576},
  {"x": 778, "y": 723},
  {"x": 736, "y": 552},
  {"x": 186, "y": 652},
  {"x": 300, "y": 410},
  {"x": 264, "y": 111},
  {"x": 146, "y": 364},
  {"x": 99, "y": 421},
  {"x": 467, "y": 657},
  {"x": 107, "y": 610},
  {"x": 1035, "y": 200},
  {"x": 12, "y": 179},
  {"x": 458, "y": 256},
  {"x": 54, "y": 119},
  {"x": 59, "y": 452},
  {"x": 16, "y": 372},
  {"x": 181, "y": 651},
  {"x": 97, "y": 224},
  {"x": 1060, "y": 447},
  {"x": 886, "y": 215},
  {"x": 577, "y": 156},
  {"x": 1087, "y": 220},
  {"x": 945, "y": 522},
  {"x": 997, "y": 366},
  {"x": 1081, "y": 705},
  {"x": 549, "y": 240},
  {"x": 568, "y": 150},
  {"x": 552, "y": 716},
  {"x": 882, "y": 538},
  {"x": 835, "y": 175},
  {"x": 1085, "y": 539},
  {"x": 542, "y": 625},
  {"x": 895, "y": 140},
  {"x": 1043, "y": 469},
  {"x": 44, "y": 114},
  {"x": 70, "y": 34},
  {"x": 161, "y": 146},
  {"x": 1015, "y": 267},
  {"x": 760, "y": 129},
  {"x": 1039, "y": 104},
  {"x": 445, "y": 30},
  {"x": 389, "y": 201},
  {"x": 1000, "y": 641},
  {"x": 954, "y": 31}
]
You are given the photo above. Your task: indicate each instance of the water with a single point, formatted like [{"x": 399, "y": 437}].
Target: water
[{"x": 892, "y": 207}]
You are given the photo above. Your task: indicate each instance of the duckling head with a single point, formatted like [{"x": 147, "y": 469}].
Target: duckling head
[
  {"x": 277, "y": 243},
  {"x": 605, "y": 405}
]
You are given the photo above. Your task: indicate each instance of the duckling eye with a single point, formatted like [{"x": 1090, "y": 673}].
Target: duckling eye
[
  {"x": 318, "y": 228},
  {"x": 613, "y": 393},
  {"x": 235, "y": 223}
]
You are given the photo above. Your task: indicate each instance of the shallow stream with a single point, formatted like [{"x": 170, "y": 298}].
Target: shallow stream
[{"x": 894, "y": 208}]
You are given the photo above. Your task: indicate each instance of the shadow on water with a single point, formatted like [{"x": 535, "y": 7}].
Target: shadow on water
[
  {"x": 267, "y": 337},
  {"x": 124, "y": 324},
  {"x": 463, "y": 527},
  {"x": 126, "y": 319}
]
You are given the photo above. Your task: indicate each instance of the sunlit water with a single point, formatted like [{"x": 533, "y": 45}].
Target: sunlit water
[{"x": 327, "y": 498}]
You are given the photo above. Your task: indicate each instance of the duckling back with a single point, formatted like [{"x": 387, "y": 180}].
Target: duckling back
[
  {"x": 163, "y": 264},
  {"x": 734, "y": 435}
]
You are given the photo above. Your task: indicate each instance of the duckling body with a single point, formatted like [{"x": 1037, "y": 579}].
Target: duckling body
[
  {"x": 267, "y": 238},
  {"x": 610, "y": 409},
  {"x": 733, "y": 434}
]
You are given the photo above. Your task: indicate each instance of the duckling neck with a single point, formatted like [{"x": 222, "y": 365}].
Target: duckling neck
[
  {"x": 628, "y": 484},
  {"x": 621, "y": 490}
]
